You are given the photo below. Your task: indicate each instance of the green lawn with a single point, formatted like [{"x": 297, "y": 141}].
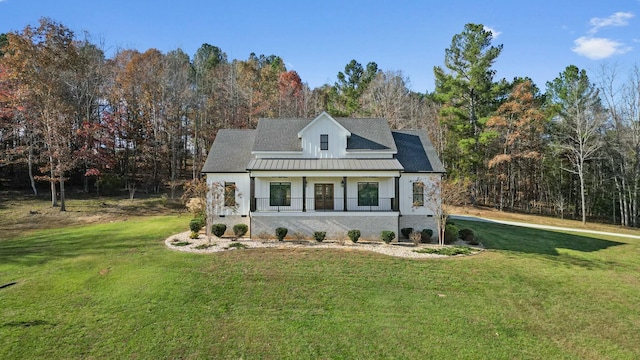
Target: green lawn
[{"x": 114, "y": 291}]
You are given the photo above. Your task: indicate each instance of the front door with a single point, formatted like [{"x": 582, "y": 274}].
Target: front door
[{"x": 324, "y": 196}]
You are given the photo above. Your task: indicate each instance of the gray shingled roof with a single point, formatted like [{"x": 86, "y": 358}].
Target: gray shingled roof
[
  {"x": 368, "y": 134},
  {"x": 230, "y": 152},
  {"x": 325, "y": 164},
  {"x": 282, "y": 134},
  {"x": 279, "y": 134},
  {"x": 415, "y": 152}
]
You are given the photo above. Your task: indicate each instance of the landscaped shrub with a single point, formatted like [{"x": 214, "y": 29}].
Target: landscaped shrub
[
  {"x": 281, "y": 232},
  {"x": 240, "y": 229},
  {"x": 194, "y": 235},
  {"x": 466, "y": 234},
  {"x": 447, "y": 250},
  {"x": 387, "y": 236},
  {"x": 354, "y": 235},
  {"x": 204, "y": 246},
  {"x": 181, "y": 243},
  {"x": 450, "y": 234},
  {"x": 406, "y": 232},
  {"x": 218, "y": 229},
  {"x": 426, "y": 235},
  {"x": 196, "y": 224},
  {"x": 319, "y": 235},
  {"x": 237, "y": 246},
  {"x": 415, "y": 237},
  {"x": 474, "y": 241}
]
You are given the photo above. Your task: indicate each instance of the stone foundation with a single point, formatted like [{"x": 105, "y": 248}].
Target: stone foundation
[
  {"x": 336, "y": 226},
  {"x": 418, "y": 222},
  {"x": 230, "y": 221}
]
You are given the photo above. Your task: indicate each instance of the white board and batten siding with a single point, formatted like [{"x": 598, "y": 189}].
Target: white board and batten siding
[
  {"x": 406, "y": 193},
  {"x": 337, "y": 136},
  {"x": 243, "y": 189}
]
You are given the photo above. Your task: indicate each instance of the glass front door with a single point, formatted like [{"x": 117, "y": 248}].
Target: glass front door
[{"x": 324, "y": 196}]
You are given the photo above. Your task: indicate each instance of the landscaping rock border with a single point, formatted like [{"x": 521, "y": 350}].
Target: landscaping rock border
[{"x": 401, "y": 249}]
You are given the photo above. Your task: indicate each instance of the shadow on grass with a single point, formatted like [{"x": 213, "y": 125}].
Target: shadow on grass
[
  {"x": 533, "y": 241},
  {"x": 25, "y": 324}
]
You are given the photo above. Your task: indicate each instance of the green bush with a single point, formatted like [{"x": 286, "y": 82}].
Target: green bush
[
  {"x": 281, "y": 232},
  {"x": 406, "y": 232},
  {"x": 450, "y": 234},
  {"x": 218, "y": 229},
  {"x": 240, "y": 229},
  {"x": 426, "y": 235},
  {"x": 387, "y": 236},
  {"x": 319, "y": 235},
  {"x": 193, "y": 235},
  {"x": 466, "y": 234},
  {"x": 204, "y": 246},
  {"x": 196, "y": 224},
  {"x": 447, "y": 250},
  {"x": 237, "y": 246},
  {"x": 354, "y": 235}
]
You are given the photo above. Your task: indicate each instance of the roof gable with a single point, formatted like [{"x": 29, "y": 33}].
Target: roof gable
[{"x": 323, "y": 117}]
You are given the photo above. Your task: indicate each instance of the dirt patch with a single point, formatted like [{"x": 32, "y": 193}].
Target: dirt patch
[{"x": 21, "y": 214}]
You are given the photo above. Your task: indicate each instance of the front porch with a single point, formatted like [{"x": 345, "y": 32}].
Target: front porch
[
  {"x": 324, "y": 205},
  {"x": 324, "y": 194}
]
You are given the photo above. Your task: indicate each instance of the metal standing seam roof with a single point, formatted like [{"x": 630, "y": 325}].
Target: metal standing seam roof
[{"x": 325, "y": 164}]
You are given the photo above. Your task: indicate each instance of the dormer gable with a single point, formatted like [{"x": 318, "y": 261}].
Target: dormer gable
[{"x": 324, "y": 137}]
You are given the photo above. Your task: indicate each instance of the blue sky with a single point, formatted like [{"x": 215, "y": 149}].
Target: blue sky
[{"x": 318, "y": 38}]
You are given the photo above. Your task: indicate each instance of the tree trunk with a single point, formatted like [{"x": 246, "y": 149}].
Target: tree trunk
[
  {"x": 30, "y": 166},
  {"x": 582, "y": 196},
  {"x": 62, "y": 196},
  {"x": 54, "y": 196}
]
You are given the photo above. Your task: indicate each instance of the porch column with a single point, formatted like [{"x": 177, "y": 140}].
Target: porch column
[
  {"x": 396, "y": 200},
  {"x": 304, "y": 194},
  {"x": 344, "y": 193},
  {"x": 252, "y": 194}
]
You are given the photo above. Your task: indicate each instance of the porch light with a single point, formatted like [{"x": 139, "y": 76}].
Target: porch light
[{"x": 341, "y": 183}]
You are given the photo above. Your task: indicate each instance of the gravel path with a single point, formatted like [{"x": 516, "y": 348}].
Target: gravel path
[{"x": 403, "y": 249}]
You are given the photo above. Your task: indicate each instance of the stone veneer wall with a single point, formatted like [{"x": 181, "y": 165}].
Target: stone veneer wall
[
  {"x": 336, "y": 226},
  {"x": 230, "y": 221},
  {"x": 418, "y": 222}
]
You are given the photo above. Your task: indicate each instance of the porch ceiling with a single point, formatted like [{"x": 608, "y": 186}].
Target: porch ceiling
[{"x": 325, "y": 164}]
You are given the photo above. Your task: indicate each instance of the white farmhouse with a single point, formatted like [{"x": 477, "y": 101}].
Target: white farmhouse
[{"x": 323, "y": 174}]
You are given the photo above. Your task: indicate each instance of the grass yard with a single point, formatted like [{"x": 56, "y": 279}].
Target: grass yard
[{"x": 114, "y": 291}]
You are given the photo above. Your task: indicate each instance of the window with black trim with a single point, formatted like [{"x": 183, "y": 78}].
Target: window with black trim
[
  {"x": 324, "y": 142},
  {"x": 280, "y": 194},
  {"x": 418, "y": 193},
  {"x": 229, "y": 194},
  {"x": 367, "y": 194}
]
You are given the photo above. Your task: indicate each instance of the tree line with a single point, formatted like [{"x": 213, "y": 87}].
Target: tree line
[{"x": 144, "y": 121}]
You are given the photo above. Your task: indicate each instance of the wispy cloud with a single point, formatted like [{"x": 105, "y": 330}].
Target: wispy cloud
[
  {"x": 495, "y": 33},
  {"x": 598, "y": 48},
  {"x": 618, "y": 19}
]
